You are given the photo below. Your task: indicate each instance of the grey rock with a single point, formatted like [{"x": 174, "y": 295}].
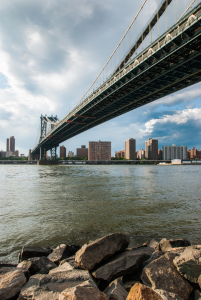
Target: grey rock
[
  {"x": 188, "y": 263},
  {"x": 162, "y": 274},
  {"x": 84, "y": 291},
  {"x": 62, "y": 268},
  {"x": 52, "y": 285},
  {"x": 197, "y": 295},
  {"x": 11, "y": 282},
  {"x": 30, "y": 252},
  {"x": 71, "y": 261},
  {"x": 124, "y": 263},
  {"x": 155, "y": 244},
  {"x": 154, "y": 256},
  {"x": 91, "y": 255},
  {"x": 168, "y": 296},
  {"x": 166, "y": 245},
  {"x": 62, "y": 252},
  {"x": 37, "y": 265},
  {"x": 116, "y": 290}
]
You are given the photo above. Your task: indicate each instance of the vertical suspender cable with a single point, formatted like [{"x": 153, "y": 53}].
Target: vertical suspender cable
[{"x": 158, "y": 20}]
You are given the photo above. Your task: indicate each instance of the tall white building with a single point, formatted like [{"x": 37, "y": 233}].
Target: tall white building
[{"x": 175, "y": 152}]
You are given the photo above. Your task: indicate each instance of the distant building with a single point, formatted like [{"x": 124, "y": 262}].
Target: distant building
[
  {"x": 151, "y": 149},
  {"x": 82, "y": 152},
  {"x": 10, "y": 146},
  {"x": 99, "y": 150},
  {"x": 194, "y": 154},
  {"x": 141, "y": 154},
  {"x": 62, "y": 151},
  {"x": 16, "y": 153},
  {"x": 7, "y": 145},
  {"x": 175, "y": 152},
  {"x": 71, "y": 154},
  {"x": 160, "y": 151},
  {"x": 119, "y": 153},
  {"x": 130, "y": 149},
  {"x": 2, "y": 153}
]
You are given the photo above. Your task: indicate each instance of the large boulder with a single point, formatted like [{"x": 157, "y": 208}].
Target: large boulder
[
  {"x": 188, "y": 263},
  {"x": 11, "y": 282},
  {"x": 51, "y": 285},
  {"x": 84, "y": 291},
  {"x": 162, "y": 274},
  {"x": 62, "y": 268},
  {"x": 116, "y": 290},
  {"x": 142, "y": 292},
  {"x": 37, "y": 265},
  {"x": 91, "y": 255},
  {"x": 62, "y": 252},
  {"x": 124, "y": 263},
  {"x": 166, "y": 245},
  {"x": 30, "y": 252},
  {"x": 168, "y": 296}
]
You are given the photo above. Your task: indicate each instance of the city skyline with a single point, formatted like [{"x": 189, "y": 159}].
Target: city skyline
[{"x": 42, "y": 75}]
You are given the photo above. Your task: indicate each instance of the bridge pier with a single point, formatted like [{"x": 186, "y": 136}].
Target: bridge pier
[
  {"x": 42, "y": 153},
  {"x": 53, "y": 153}
]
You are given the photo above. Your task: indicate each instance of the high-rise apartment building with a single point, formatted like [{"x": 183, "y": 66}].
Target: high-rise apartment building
[
  {"x": 130, "y": 149},
  {"x": 141, "y": 154},
  {"x": 175, "y": 152},
  {"x": 82, "y": 152},
  {"x": 151, "y": 149},
  {"x": 10, "y": 144},
  {"x": 99, "y": 150},
  {"x": 62, "y": 151}
]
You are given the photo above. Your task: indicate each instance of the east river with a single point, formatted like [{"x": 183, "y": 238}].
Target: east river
[{"x": 43, "y": 205}]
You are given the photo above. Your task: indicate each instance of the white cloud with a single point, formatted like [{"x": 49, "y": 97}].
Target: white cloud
[{"x": 179, "y": 117}]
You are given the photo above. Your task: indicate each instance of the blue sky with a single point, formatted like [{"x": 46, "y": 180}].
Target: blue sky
[{"x": 51, "y": 51}]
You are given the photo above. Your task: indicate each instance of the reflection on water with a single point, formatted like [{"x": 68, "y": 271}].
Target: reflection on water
[{"x": 42, "y": 205}]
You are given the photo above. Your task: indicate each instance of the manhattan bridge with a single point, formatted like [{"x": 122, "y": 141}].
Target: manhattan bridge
[{"x": 153, "y": 59}]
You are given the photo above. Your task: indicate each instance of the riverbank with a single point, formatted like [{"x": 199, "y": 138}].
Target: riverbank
[{"x": 106, "y": 269}]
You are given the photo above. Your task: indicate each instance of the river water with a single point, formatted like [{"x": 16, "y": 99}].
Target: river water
[{"x": 49, "y": 205}]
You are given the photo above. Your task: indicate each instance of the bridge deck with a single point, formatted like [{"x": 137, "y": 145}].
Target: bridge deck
[{"x": 171, "y": 63}]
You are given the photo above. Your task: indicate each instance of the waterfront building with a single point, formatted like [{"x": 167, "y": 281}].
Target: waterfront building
[
  {"x": 119, "y": 153},
  {"x": 99, "y": 150},
  {"x": 141, "y": 154},
  {"x": 82, "y": 152},
  {"x": 16, "y": 153},
  {"x": 151, "y": 149},
  {"x": 2, "y": 153},
  {"x": 62, "y": 151},
  {"x": 194, "y": 154},
  {"x": 160, "y": 153},
  {"x": 71, "y": 154},
  {"x": 130, "y": 149},
  {"x": 175, "y": 152},
  {"x": 10, "y": 146}
]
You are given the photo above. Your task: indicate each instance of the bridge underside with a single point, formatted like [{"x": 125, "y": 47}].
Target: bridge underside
[{"x": 174, "y": 66}]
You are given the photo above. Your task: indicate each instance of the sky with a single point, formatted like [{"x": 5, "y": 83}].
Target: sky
[{"x": 50, "y": 53}]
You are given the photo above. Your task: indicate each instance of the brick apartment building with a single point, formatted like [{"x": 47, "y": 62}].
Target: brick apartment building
[
  {"x": 62, "y": 151},
  {"x": 82, "y": 152},
  {"x": 99, "y": 150}
]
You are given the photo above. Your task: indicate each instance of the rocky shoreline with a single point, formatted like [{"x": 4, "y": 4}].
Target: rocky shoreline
[{"x": 105, "y": 269}]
